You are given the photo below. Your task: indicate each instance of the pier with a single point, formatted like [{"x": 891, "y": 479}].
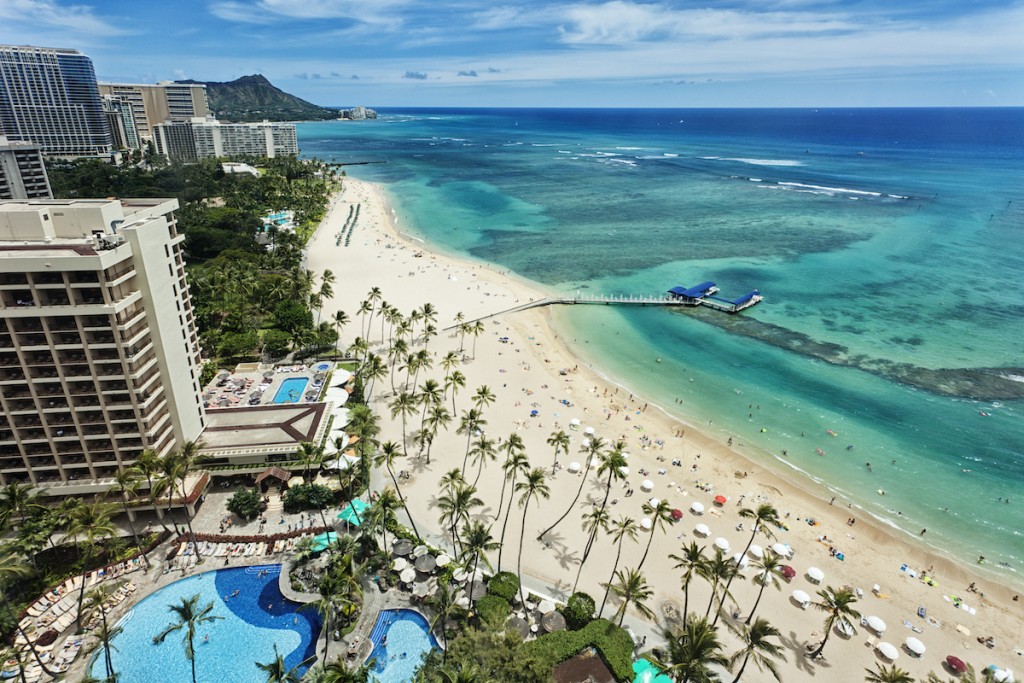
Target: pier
[{"x": 701, "y": 295}]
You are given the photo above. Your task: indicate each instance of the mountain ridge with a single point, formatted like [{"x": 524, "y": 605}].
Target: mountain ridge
[{"x": 254, "y": 98}]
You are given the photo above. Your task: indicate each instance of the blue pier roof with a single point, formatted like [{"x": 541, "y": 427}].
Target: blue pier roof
[{"x": 693, "y": 292}]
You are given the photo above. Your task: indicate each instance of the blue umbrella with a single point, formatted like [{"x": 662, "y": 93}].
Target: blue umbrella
[{"x": 354, "y": 512}]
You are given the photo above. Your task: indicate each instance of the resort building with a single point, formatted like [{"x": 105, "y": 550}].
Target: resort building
[
  {"x": 49, "y": 96},
  {"x": 152, "y": 104},
  {"x": 99, "y": 354},
  {"x": 207, "y": 137},
  {"x": 22, "y": 171},
  {"x": 121, "y": 120}
]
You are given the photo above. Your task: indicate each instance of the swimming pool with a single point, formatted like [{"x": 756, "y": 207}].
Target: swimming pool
[
  {"x": 291, "y": 390},
  {"x": 254, "y": 620},
  {"x": 401, "y": 638},
  {"x": 323, "y": 367}
]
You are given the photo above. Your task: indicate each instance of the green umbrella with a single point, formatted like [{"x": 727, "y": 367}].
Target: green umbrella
[
  {"x": 321, "y": 542},
  {"x": 354, "y": 512}
]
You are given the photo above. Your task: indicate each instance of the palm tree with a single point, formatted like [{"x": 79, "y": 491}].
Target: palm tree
[
  {"x": 887, "y": 674},
  {"x": 94, "y": 605},
  {"x": 631, "y": 586},
  {"x": 660, "y": 514},
  {"x": 17, "y": 499},
  {"x": 338, "y": 672},
  {"x": 594, "y": 521},
  {"x": 128, "y": 486},
  {"x": 405, "y": 405},
  {"x": 375, "y": 370},
  {"x": 691, "y": 652},
  {"x": 449, "y": 363},
  {"x": 453, "y": 383},
  {"x": 560, "y": 442},
  {"x": 761, "y": 519},
  {"x": 512, "y": 445},
  {"x": 483, "y": 397},
  {"x": 612, "y": 463},
  {"x": 89, "y": 525},
  {"x": 389, "y": 451},
  {"x": 177, "y": 469},
  {"x": 691, "y": 562},
  {"x": 476, "y": 543},
  {"x": 190, "y": 616},
  {"x": 476, "y": 329},
  {"x": 621, "y": 529},
  {"x": 149, "y": 465},
  {"x": 970, "y": 676},
  {"x": 423, "y": 361},
  {"x": 325, "y": 607},
  {"x": 430, "y": 395},
  {"x": 438, "y": 419},
  {"x": 443, "y": 603},
  {"x": 516, "y": 464},
  {"x": 456, "y": 504},
  {"x": 757, "y": 646},
  {"x": 591, "y": 450},
  {"x": 278, "y": 673},
  {"x": 373, "y": 297},
  {"x": 532, "y": 487},
  {"x": 715, "y": 571},
  {"x": 483, "y": 451},
  {"x": 13, "y": 567},
  {"x": 838, "y": 604},
  {"x": 381, "y": 512},
  {"x": 770, "y": 572},
  {"x": 470, "y": 423},
  {"x": 340, "y": 319}
]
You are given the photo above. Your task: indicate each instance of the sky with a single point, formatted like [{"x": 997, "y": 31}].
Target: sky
[{"x": 572, "y": 53}]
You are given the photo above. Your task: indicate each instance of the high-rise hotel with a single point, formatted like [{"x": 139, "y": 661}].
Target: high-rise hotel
[
  {"x": 49, "y": 96},
  {"x": 99, "y": 353}
]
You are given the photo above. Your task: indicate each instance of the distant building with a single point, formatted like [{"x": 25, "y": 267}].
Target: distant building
[
  {"x": 152, "y": 104},
  {"x": 99, "y": 353},
  {"x": 49, "y": 96},
  {"x": 238, "y": 167},
  {"x": 200, "y": 138},
  {"x": 123, "y": 132},
  {"x": 22, "y": 172},
  {"x": 358, "y": 113}
]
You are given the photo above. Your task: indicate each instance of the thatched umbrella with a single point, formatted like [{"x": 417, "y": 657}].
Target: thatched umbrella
[
  {"x": 553, "y": 621},
  {"x": 519, "y": 626}
]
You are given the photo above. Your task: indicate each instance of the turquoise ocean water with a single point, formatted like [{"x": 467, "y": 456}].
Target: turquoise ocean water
[{"x": 889, "y": 245}]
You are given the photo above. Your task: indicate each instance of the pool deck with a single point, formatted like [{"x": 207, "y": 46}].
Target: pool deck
[{"x": 253, "y": 384}]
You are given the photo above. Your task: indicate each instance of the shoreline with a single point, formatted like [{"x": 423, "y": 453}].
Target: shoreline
[{"x": 885, "y": 548}]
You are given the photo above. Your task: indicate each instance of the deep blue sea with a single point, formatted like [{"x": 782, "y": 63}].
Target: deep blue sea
[{"x": 889, "y": 245}]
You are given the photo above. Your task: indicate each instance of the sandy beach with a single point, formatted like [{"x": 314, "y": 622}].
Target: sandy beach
[{"x": 529, "y": 368}]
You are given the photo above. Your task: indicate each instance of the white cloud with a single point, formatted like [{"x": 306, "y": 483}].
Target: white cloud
[
  {"x": 269, "y": 11},
  {"x": 48, "y": 18}
]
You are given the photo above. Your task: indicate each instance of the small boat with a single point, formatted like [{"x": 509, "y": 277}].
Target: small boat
[{"x": 983, "y": 413}]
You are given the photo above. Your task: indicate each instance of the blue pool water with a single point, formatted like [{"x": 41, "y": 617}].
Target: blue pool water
[
  {"x": 323, "y": 367},
  {"x": 253, "y": 622},
  {"x": 408, "y": 640},
  {"x": 291, "y": 390}
]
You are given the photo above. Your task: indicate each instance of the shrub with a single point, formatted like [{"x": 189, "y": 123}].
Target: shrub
[
  {"x": 612, "y": 642},
  {"x": 504, "y": 585},
  {"x": 307, "y": 497},
  {"x": 579, "y": 611},
  {"x": 246, "y": 503},
  {"x": 493, "y": 610}
]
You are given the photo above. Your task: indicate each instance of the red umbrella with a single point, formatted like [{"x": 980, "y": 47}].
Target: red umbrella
[
  {"x": 788, "y": 572},
  {"x": 677, "y": 514},
  {"x": 720, "y": 500},
  {"x": 956, "y": 664}
]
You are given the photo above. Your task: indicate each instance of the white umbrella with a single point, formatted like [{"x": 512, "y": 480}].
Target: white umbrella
[
  {"x": 722, "y": 544},
  {"x": 915, "y": 646},
  {"x": 585, "y": 443},
  {"x": 782, "y": 550},
  {"x": 697, "y": 508},
  {"x": 803, "y": 598},
  {"x": 845, "y": 628},
  {"x": 740, "y": 559},
  {"x": 654, "y": 502},
  {"x": 460, "y": 575},
  {"x": 400, "y": 563},
  {"x": 646, "y": 524},
  {"x": 589, "y": 431},
  {"x": 815, "y": 574},
  {"x": 408, "y": 575},
  {"x": 1003, "y": 676},
  {"x": 574, "y": 467},
  {"x": 876, "y": 624},
  {"x": 647, "y": 485},
  {"x": 756, "y": 552},
  {"x": 546, "y": 606},
  {"x": 443, "y": 560},
  {"x": 420, "y": 551},
  {"x": 575, "y": 422},
  {"x": 624, "y": 471},
  {"x": 702, "y": 529},
  {"x": 888, "y": 650}
]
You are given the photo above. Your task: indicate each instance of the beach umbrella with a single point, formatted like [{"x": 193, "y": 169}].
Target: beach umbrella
[
  {"x": 420, "y": 551},
  {"x": 534, "y": 413},
  {"x": 399, "y": 564},
  {"x": 553, "y": 621},
  {"x": 443, "y": 560},
  {"x": 845, "y": 628},
  {"x": 425, "y": 563},
  {"x": 875, "y": 624},
  {"x": 519, "y": 626},
  {"x": 956, "y": 664},
  {"x": 740, "y": 559},
  {"x": 460, "y": 575},
  {"x": 574, "y": 467},
  {"x": 585, "y": 443},
  {"x": 421, "y": 589},
  {"x": 888, "y": 650},
  {"x": 646, "y": 524},
  {"x": 803, "y": 599},
  {"x": 321, "y": 541},
  {"x": 722, "y": 544},
  {"x": 915, "y": 646},
  {"x": 402, "y": 547},
  {"x": 788, "y": 572},
  {"x": 720, "y": 500},
  {"x": 624, "y": 471},
  {"x": 654, "y": 502},
  {"x": 589, "y": 431},
  {"x": 782, "y": 550},
  {"x": 1002, "y": 676},
  {"x": 408, "y": 575},
  {"x": 574, "y": 422},
  {"x": 296, "y": 481},
  {"x": 478, "y": 589},
  {"x": 697, "y": 508},
  {"x": 354, "y": 513},
  {"x": 815, "y": 574},
  {"x": 463, "y": 601},
  {"x": 756, "y": 552},
  {"x": 647, "y": 485},
  {"x": 546, "y": 606},
  {"x": 677, "y": 514},
  {"x": 702, "y": 530}
]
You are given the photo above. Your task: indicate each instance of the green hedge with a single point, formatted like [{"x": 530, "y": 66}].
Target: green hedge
[
  {"x": 307, "y": 497},
  {"x": 579, "y": 611},
  {"x": 612, "y": 642},
  {"x": 504, "y": 585},
  {"x": 493, "y": 610}
]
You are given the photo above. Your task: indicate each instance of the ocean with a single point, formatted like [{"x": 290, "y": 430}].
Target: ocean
[{"x": 888, "y": 244}]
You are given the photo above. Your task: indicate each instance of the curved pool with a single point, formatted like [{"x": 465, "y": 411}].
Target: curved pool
[
  {"x": 401, "y": 638},
  {"x": 291, "y": 390},
  {"x": 254, "y": 619}
]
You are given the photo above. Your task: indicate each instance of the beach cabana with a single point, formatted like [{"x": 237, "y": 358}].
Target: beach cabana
[
  {"x": 801, "y": 598},
  {"x": 756, "y": 552},
  {"x": 915, "y": 646},
  {"x": 815, "y": 575},
  {"x": 321, "y": 541},
  {"x": 741, "y": 560},
  {"x": 647, "y": 485},
  {"x": 589, "y": 431},
  {"x": 722, "y": 544},
  {"x": 277, "y": 473},
  {"x": 888, "y": 651},
  {"x": 697, "y": 508},
  {"x": 354, "y": 513},
  {"x": 782, "y": 550},
  {"x": 702, "y": 530},
  {"x": 875, "y": 624},
  {"x": 574, "y": 423}
]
